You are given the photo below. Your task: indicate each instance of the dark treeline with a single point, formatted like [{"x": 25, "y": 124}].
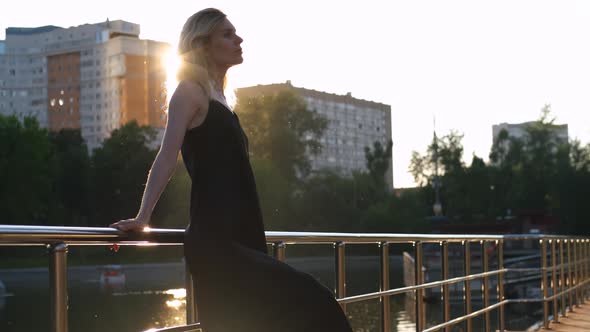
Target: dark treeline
[
  {"x": 50, "y": 178},
  {"x": 539, "y": 173}
]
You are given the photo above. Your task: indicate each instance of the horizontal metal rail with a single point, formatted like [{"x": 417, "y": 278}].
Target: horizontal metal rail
[
  {"x": 408, "y": 289},
  {"x": 573, "y": 253},
  {"x": 183, "y": 328}
]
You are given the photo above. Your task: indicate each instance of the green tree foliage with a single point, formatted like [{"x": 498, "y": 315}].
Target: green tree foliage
[
  {"x": 446, "y": 153},
  {"x": 26, "y": 171},
  {"x": 539, "y": 173},
  {"x": 529, "y": 171},
  {"x": 120, "y": 168},
  {"x": 281, "y": 132},
  {"x": 276, "y": 194},
  {"x": 575, "y": 190},
  {"x": 281, "y": 128},
  {"x": 327, "y": 203},
  {"x": 378, "y": 163},
  {"x": 173, "y": 208},
  {"x": 71, "y": 181}
]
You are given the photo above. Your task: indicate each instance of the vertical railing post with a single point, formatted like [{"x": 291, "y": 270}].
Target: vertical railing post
[
  {"x": 340, "y": 271},
  {"x": 500, "y": 288},
  {"x": 570, "y": 278},
  {"x": 554, "y": 279},
  {"x": 485, "y": 285},
  {"x": 562, "y": 278},
  {"x": 445, "y": 287},
  {"x": 585, "y": 266},
  {"x": 58, "y": 286},
  {"x": 385, "y": 300},
  {"x": 544, "y": 283},
  {"x": 191, "y": 305},
  {"x": 418, "y": 275},
  {"x": 278, "y": 251},
  {"x": 587, "y": 275},
  {"x": 467, "y": 268},
  {"x": 580, "y": 265},
  {"x": 576, "y": 274}
]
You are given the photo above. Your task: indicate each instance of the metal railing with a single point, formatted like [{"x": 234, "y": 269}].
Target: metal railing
[{"x": 564, "y": 270}]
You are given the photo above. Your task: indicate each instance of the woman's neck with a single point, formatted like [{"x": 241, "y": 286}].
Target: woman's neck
[{"x": 217, "y": 76}]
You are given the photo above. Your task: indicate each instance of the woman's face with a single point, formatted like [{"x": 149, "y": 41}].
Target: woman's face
[{"x": 224, "y": 47}]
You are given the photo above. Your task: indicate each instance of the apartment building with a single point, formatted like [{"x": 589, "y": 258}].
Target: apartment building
[
  {"x": 93, "y": 77},
  {"x": 353, "y": 124},
  {"x": 519, "y": 130}
]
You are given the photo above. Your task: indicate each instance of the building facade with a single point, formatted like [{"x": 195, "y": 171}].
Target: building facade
[
  {"x": 519, "y": 131},
  {"x": 353, "y": 124},
  {"x": 93, "y": 77}
]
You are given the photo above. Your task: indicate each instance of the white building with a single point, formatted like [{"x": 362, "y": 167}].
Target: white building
[
  {"x": 93, "y": 77},
  {"x": 353, "y": 124},
  {"x": 519, "y": 130}
]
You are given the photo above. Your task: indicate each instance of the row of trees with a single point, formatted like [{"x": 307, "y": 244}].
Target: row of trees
[
  {"x": 50, "y": 179},
  {"x": 282, "y": 132},
  {"x": 538, "y": 173}
]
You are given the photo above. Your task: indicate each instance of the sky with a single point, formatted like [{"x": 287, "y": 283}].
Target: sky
[{"x": 469, "y": 64}]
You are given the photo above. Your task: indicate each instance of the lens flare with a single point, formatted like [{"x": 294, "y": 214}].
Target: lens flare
[{"x": 171, "y": 63}]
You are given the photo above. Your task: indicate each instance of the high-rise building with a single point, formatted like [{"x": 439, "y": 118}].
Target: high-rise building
[
  {"x": 353, "y": 124},
  {"x": 94, "y": 77},
  {"x": 519, "y": 130},
  {"x": 559, "y": 133}
]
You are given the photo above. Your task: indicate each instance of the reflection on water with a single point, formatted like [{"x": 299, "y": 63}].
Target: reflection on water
[
  {"x": 3, "y": 296},
  {"x": 404, "y": 324},
  {"x": 153, "y": 297},
  {"x": 172, "y": 314}
]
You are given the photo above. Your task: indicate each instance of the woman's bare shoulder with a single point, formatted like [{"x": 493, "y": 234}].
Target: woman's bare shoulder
[
  {"x": 189, "y": 92},
  {"x": 189, "y": 104}
]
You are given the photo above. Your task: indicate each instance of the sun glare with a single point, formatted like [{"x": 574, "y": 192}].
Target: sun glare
[
  {"x": 172, "y": 63},
  {"x": 178, "y": 293}
]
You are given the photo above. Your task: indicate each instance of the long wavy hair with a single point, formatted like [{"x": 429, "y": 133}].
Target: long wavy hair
[{"x": 195, "y": 35}]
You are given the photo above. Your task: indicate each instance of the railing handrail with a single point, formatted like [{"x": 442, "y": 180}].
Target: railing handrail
[
  {"x": 40, "y": 235},
  {"x": 572, "y": 283}
]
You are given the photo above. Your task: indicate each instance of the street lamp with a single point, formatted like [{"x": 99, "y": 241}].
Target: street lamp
[{"x": 437, "y": 207}]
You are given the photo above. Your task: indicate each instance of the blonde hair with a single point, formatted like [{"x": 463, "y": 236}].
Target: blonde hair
[{"x": 195, "y": 34}]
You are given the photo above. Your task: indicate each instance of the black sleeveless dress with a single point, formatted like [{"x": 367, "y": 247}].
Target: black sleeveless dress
[{"x": 239, "y": 287}]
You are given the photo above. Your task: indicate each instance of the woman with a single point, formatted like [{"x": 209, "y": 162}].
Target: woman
[{"x": 238, "y": 286}]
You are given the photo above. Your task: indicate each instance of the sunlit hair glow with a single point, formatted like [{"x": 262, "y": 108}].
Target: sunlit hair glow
[{"x": 195, "y": 35}]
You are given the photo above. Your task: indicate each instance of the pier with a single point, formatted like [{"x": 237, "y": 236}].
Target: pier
[{"x": 575, "y": 321}]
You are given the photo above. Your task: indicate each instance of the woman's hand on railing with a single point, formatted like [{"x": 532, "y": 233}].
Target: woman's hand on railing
[{"x": 132, "y": 224}]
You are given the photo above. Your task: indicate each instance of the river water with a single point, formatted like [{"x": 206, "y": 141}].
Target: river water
[{"x": 153, "y": 296}]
